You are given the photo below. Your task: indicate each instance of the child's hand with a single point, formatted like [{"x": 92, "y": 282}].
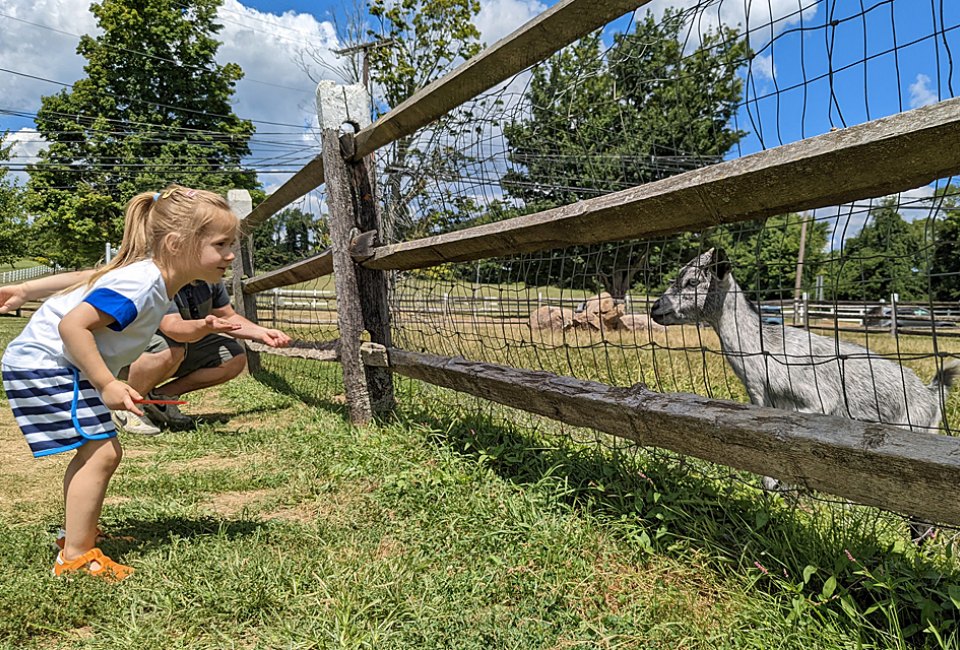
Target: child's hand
[
  {"x": 12, "y": 297},
  {"x": 220, "y": 325},
  {"x": 119, "y": 396}
]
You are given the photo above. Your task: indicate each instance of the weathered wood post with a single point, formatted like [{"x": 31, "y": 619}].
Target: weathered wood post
[
  {"x": 245, "y": 305},
  {"x": 361, "y": 293}
]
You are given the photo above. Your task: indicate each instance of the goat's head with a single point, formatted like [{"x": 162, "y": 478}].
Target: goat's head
[{"x": 695, "y": 294}]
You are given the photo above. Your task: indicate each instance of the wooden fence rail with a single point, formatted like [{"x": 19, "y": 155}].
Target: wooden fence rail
[
  {"x": 872, "y": 464},
  {"x": 868, "y": 463},
  {"x": 863, "y": 161}
]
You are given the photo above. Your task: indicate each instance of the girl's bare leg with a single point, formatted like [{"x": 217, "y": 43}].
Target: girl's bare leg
[{"x": 84, "y": 487}]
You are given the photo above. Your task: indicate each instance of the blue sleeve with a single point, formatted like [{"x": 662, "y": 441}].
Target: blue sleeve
[
  {"x": 220, "y": 296},
  {"x": 113, "y": 304}
]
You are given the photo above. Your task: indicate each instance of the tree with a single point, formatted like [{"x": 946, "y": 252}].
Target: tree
[
  {"x": 421, "y": 40},
  {"x": 765, "y": 253},
  {"x": 881, "y": 259},
  {"x": 154, "y": 108},
  {"x": 14, "y": 240},
  {"x": 288, "y": 236},
  {"x": 944, "y": 269},
  {"x": 598, "y": 124},
  {"x": 412, "y": 43}
]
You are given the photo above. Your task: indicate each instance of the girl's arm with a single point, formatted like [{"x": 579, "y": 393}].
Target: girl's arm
[
  {"x": 250, "y": 330},
  {"x": 13, "y": 296},
  {"x": 190, "y": 331},
  {"x": 76, "y": 330}
]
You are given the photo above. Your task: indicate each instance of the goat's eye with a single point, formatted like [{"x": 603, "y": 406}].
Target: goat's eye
[{"x": 692, "y": 283}]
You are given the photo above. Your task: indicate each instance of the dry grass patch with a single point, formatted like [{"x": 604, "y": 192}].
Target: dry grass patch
[
  {"x": 28, "y": 485},
  {"x": 682, "y": 590},
  {"x": 231, "y": 504},
  {"x": 336, "y": 507},
  {"x": 215, "y": 463}
]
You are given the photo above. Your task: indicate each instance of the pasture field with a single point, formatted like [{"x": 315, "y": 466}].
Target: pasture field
[{"x": 277, "y": 525}]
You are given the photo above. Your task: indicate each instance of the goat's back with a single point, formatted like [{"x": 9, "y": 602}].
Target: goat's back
[{"x": 808, "y": 372}]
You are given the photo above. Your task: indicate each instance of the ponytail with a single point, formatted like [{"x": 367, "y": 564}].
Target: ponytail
[{"x": 135, "y": 245}]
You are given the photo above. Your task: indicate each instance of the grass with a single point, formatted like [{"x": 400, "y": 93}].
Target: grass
[{"x": 277, "y": 525}]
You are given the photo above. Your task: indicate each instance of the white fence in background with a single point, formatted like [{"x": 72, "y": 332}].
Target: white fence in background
[{"x": 22, "y": 275}]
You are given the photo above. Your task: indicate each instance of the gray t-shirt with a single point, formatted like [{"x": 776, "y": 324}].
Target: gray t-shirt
[{"x": 197, "y": 300}]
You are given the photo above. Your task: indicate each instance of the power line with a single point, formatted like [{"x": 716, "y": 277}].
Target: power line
[
  {"x": 146, "y": 54},
  {"x": 149, "y": 103}
]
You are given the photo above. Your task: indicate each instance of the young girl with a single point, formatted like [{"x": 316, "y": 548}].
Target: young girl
[{"x": 60, "y": 373}]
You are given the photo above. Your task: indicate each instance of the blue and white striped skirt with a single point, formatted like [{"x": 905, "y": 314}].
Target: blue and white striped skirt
[{"x": 56, "y": 409}]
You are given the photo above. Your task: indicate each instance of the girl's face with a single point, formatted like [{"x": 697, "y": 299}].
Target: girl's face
[{"x": 216, "y": 254}]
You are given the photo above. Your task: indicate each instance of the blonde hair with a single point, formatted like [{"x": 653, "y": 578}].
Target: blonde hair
[{"x": 189, "y": 214}]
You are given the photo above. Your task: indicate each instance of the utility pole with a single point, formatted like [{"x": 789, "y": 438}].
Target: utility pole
[
  {"x": 365, "y": 48},
  {"x": 798, "y": 285}
]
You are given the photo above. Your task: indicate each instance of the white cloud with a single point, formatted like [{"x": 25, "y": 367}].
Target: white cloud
[
  {"x": 27, "y": 145},
  {"x": 921, "y": 94},
  {"x": 275, "y": 88},
  {"x": 771, "y": 17},
  {"x": 499, "y": 18},
  {"x": 763, "y": 67},
  {"x": 32, "y": 50}
]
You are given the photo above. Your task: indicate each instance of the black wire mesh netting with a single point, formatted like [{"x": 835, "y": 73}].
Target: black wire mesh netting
[{"x": 654, "y": 95}]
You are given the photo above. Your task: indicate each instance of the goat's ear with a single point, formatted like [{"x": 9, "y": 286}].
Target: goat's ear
[{"x": 721, "y": 263}]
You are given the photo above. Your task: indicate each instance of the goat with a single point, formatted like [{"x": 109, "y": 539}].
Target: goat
[{"x": 797, "y": 370}]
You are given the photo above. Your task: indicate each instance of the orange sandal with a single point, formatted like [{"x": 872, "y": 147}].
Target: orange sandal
[{"x": 108, "y": 570}]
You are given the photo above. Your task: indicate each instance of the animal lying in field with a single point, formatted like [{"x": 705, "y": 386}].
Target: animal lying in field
[{"x": 793, "y": 369}]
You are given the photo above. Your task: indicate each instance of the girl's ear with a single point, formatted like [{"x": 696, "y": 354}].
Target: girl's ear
[{"x": 173, "y": 242}]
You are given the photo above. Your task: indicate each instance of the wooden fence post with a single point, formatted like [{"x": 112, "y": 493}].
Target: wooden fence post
[
  {"x": 361, "y": 293},
  {"x": 245, "y": 305}
]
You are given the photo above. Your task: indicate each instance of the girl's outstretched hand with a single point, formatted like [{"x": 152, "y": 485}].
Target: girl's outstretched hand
[
  {"x": 119, "y": 396},
  {"x": 12, "y": 298}
]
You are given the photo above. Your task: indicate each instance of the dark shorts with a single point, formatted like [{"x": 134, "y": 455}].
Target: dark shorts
[{"x": 211, "y": 351}]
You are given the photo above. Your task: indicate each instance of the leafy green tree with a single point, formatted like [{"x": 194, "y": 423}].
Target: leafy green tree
[
  {"x": 288, "y": 236},
  {"x": 882, "y": 259},
  {"x": 765, "y": 254},
  {"x": 645, "y": 111},
  {"x": 15, "y": 242},
  {"x": 944, "y": 271},
  {"x": 154, "y": 108}
]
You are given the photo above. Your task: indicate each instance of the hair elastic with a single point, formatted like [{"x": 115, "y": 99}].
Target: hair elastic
[
  {"x": 190, "y": 193},
  {"x": 156, "y": 196}
]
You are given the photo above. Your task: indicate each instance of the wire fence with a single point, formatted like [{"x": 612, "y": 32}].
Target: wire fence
[{"x": 650, "y": 96}]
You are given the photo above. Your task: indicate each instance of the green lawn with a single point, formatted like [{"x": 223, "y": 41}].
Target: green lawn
[{"x": 277, "y": 525}]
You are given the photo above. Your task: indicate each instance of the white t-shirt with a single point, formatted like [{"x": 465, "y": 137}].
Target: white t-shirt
[{"x": 135, "y": 295}]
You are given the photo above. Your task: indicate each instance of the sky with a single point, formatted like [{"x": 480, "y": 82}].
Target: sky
[{"x": 885, "y": 56}]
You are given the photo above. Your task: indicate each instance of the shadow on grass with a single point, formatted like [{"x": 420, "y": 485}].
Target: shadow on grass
[
  {"x": 662, "y": 503},
  {"x": 133, "y": 534},
  {"x": 303, "y": 387}
]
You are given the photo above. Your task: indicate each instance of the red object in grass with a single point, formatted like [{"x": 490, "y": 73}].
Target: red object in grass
[{"x": 159, "y": 401}]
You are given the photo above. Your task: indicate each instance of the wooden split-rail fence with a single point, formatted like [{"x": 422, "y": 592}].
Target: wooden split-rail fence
[{"x": 880, "y": 465}]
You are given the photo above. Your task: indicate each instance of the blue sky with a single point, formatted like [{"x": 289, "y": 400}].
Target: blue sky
[{"x": 790, "y": 95}]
